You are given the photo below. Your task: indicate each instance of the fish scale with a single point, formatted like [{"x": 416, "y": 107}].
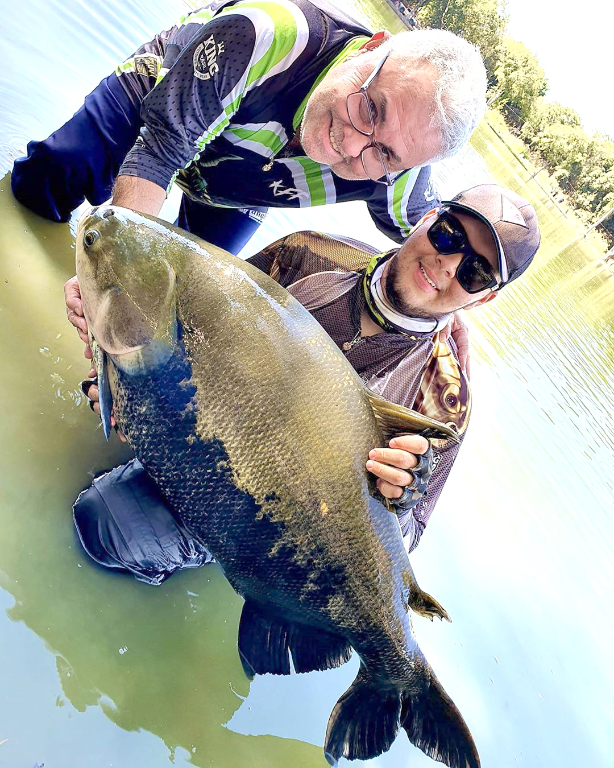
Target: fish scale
[{"x": 256, "y": 429}]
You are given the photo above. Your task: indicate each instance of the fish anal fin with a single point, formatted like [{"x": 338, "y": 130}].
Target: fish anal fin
[
  {"x": 434, "y": 725},
  {"x": 267, "y": 642},
  {"x": 397, "y": 420},
  {"x": 313, "y": 648},
  {"x": 421, "y": 602}
]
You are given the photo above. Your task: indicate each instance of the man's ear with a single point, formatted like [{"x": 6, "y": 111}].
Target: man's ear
[
  {"x": 375, "y": 41},
  {"x": 484, "y": 300}
]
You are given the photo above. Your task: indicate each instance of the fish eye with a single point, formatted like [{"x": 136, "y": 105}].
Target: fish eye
[{"x": 90, "y": 237}]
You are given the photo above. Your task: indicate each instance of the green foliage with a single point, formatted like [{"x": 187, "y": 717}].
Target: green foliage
[
  {"x": 482, "y": 22},
  {"x": 546, "y": 113},
  {"x": 582, "y": 164},
  {"x": 520, "y": 80}
]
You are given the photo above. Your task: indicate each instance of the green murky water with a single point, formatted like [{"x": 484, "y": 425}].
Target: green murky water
[{"x": 99, "y": 670}]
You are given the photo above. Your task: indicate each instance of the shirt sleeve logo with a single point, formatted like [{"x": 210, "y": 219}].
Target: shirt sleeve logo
[{"x": 205, "y": 58}]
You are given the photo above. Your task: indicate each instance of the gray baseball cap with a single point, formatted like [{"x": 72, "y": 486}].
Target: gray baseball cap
[{"x": 512, "y": 221}]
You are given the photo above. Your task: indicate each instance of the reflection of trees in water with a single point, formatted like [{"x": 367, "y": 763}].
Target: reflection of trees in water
[
  {"x": 554, "y": 329},
  {"x": 159, "y": 659},
  {"x": 180, "y": 677}
]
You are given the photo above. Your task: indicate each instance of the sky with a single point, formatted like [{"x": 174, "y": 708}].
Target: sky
[{"x": 573, "y": 43}]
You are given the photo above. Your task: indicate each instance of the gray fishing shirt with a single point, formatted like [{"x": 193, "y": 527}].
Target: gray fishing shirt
[{"x": 325, "y": 274}]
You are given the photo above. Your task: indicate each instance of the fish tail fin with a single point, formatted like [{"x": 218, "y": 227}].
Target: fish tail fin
[
  {"x": 364, "y": 722},
  {"x": 367, "y": 719},
  {"x": 434, "y": 725}
]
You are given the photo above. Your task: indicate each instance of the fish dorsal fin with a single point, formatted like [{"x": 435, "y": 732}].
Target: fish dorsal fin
[{"x": 397, "y": 420}]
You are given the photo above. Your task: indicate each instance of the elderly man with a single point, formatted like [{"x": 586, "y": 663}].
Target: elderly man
[
  {"x": 281, "y": 103},
  {"x": 385, "y": 311}
]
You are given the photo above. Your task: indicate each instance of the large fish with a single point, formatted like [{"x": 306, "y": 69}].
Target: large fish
[{"x": 256, "y": 429}]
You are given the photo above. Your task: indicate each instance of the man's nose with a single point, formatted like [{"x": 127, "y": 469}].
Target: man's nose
[
  {"x": 354, "y": 141},
  {"x": 448, "y": 263}
]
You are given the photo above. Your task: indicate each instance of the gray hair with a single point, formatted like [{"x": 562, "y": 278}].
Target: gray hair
[{"x": 459, "y": 90}]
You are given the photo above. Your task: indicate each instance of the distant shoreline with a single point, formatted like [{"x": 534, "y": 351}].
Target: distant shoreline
[{"x": 404, "y": 13}]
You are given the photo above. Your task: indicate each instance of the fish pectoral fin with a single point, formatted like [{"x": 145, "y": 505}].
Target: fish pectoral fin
[
  {"x": 267, "y": 643},
  {"x": 421, "y": 602},
  {"x": 364, "y": 722},
  {"x": 434, "y": 725},
  {"x": 397, "y": 420},
  {"x": 105, "y": 396}
]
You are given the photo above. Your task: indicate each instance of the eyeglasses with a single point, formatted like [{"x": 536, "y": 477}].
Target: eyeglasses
[
  {"x": 362, "y": 114},
  {"x": 448, "y": 236}
]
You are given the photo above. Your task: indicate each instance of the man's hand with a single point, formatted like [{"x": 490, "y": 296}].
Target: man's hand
[
  {"x": 74, "y": 312},
  {"x": 91, "y": 392},
  {"x": 392, "y": 466},
  {"x": 460, "y": 334}
]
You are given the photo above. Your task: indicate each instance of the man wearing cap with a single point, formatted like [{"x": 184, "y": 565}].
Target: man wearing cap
[{"x": 384, "y": 311}]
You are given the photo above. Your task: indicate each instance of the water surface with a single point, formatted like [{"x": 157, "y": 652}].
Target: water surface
[{"x": 99, "y": 670}]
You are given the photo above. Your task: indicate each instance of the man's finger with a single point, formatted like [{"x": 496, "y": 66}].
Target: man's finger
[
  {"x": 72, "y": 295},
  {"x": 92, "y": 393},
  {"x": 412, "y": 443},
  {"x": 388, "y": 490},
  {"x": 401, "y": 459},
  {"x": 74, "y": 305},
  {"x": 460, "y": 335},
  {"x": 467, "y": 367},
  {"x": 79, "y": 322},
  {"x": 462, "y": 345},
  {"x": 392, "y": 475}
]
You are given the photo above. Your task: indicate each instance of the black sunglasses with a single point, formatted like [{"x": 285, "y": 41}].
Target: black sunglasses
[{"x": 448, "y": 236}]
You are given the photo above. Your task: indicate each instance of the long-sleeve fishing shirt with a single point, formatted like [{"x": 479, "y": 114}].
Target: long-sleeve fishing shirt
[
  {"x": 325, "y": 274},
  {"x": 222, "y": 95}
]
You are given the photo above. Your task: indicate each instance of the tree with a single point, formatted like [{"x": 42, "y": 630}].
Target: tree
[
  {"x": 544, "y": 114},
  {"x": 481, "y": 22},
  {"x": 520, "y": 81}
]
